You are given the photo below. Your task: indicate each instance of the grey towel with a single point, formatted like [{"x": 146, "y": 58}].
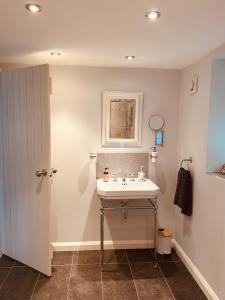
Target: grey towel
[{"x": 183, "y": 197}]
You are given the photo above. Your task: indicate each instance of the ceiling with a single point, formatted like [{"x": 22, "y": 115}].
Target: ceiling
[{"x": 103, "y": 32}]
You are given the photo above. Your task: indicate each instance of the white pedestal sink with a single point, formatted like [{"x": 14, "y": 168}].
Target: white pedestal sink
[{"x": 127, "y": 189}]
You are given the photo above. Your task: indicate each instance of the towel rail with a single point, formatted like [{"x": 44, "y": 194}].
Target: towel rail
[{"x": 186, "y": 160}]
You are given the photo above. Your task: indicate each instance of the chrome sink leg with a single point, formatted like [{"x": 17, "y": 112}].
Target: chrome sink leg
[
  {"x": 102, "y": 236},
  {"x": 156, "y": 235}
]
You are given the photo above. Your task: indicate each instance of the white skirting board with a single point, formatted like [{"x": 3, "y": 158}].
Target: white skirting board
[
  {"x": 135, "y": 244},
  {"x": 95, "y": 245},
  {"x": 206, "y": 288}
]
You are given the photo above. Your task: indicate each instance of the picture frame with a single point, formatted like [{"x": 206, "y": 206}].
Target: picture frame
[{"x": 110, "y": 97}]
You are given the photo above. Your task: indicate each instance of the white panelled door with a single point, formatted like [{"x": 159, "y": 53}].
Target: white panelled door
[{"x": 25, "y": 190}]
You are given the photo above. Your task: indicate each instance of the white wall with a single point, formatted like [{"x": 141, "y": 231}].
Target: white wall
[
  {"x": 76, "y": 131},
  {"x": 202, "y": 236}
]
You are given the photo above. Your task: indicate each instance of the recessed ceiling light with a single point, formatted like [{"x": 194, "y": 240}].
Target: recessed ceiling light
[
  {"x": 153, "y": 15},
  {"x": 55, "y": 53},
  {"x": 33, "y": 7},
  {"x": 130, "y": 57}
]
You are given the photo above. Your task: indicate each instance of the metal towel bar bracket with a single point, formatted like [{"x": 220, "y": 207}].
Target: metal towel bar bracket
[{"x": 186, "y": 160}]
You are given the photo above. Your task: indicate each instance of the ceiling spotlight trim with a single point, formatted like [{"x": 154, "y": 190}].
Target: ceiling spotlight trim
[
  {"x": 38, "y": 6},
  {"x": 55, "y": 53},
  {"x": 130, "y": 57},
  {"x": 156, "y": 12}
]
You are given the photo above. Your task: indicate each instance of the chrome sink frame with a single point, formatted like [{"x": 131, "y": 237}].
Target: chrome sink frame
[{"x": 152, "y": 205}]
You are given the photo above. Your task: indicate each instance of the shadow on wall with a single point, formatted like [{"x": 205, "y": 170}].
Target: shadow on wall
[
  {"x": 139, "y": 224},
  {"x": 91, "y": 226},
  {"x": 84, "y": 178},
  {"x": 187, "y": 225},
  {"x": 87, "y": 189},
  {"x": 161, "y": 178}
]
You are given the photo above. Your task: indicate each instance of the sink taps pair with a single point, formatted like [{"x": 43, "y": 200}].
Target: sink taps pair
[{"x": 124, "y": 177}]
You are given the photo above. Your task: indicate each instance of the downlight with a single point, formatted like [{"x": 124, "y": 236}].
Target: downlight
[{"x": 33, "y": 7}]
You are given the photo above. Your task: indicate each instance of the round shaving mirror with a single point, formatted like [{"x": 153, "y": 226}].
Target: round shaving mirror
[{"x": 156, "y": 122}]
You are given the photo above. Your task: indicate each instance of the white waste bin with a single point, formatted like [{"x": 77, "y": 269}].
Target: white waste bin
[{"x": 164, "y": 242}]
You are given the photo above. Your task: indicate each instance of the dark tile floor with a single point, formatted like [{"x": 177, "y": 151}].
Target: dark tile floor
[{"x": 127, "y": 275}]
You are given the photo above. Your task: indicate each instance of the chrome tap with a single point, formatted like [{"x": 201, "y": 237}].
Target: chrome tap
[
  {"x": 114, "y": 177},
  {"x": 124, "y": 181},
  {"x": 132, "y": 177}
]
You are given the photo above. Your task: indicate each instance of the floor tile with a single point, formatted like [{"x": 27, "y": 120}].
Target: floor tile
[
  {"x": 19, "y": 284},
  {"x": 87, "y": 257},
  {"x": 181, "y": 282},
  {"x": 167, "y": 257},
  {"x": 6, "y": 262},
  {"x": 54, "y": 287},
  {"x": 115, "y": 257},
  {"x": 3, "y": 273},
  {"x": 62, "y": 258},
  {"x": 118, "y": 283},
  {"x": 149, "y": 282},
  {"x": 140, "y": 255},
  {"x": 85, "y": 283}
]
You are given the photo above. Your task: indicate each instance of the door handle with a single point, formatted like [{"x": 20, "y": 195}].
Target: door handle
[{"x": 43, "y": 172}]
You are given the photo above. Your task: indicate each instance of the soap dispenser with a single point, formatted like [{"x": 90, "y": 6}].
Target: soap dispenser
[
  {"x": 154, "y": 154},
  {"x": 141, "y": 174},
  {"x": 106, "y": 175}
]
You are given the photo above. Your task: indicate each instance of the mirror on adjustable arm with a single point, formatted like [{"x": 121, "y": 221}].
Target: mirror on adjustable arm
[
  {"x": 122, "y": 119},
  {"x": 156, "y": 123}
]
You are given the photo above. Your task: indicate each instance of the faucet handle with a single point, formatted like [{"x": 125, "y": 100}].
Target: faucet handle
[{"x": 132, "y": 177}]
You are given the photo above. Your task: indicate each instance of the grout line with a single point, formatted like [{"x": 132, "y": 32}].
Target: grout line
[
  {"x": 61, "y": 265},
  {"x": 101, "y": 274},
  {"x": 68, "y": 288},
  {"x": 116, "y": 263},
  {"x": 25, "y": 266},
  {"x": 38, "y": 276},
  {"x": 7, "y": 276},
  {"x": 170, "y": 261},
  {"x": 142, "y": 262},
  {"x": 166, "y": 282},
  {"x": 88, "y": 264},
  {"x": 132, "y": 276}
]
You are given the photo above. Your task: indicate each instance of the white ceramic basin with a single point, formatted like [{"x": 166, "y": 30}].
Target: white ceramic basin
[{"x": 130, "y": 190}]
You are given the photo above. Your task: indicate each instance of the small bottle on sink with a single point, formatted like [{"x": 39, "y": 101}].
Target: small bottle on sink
[
  {"x": 141, "y": 174},
  {"x": 106, "y": 175}
]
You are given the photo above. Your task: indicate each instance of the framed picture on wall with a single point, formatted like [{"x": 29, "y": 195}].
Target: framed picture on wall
[{"x": 122, "y": 119}]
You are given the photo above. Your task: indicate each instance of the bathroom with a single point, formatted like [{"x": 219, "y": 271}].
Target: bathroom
[{"x": 196, "y": 267}]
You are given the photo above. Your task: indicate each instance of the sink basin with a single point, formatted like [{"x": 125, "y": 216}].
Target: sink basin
[{"x": 128, "y": 190}]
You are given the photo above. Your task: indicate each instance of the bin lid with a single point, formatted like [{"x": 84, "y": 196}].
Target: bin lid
[{"x": 165, "y": 232}]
